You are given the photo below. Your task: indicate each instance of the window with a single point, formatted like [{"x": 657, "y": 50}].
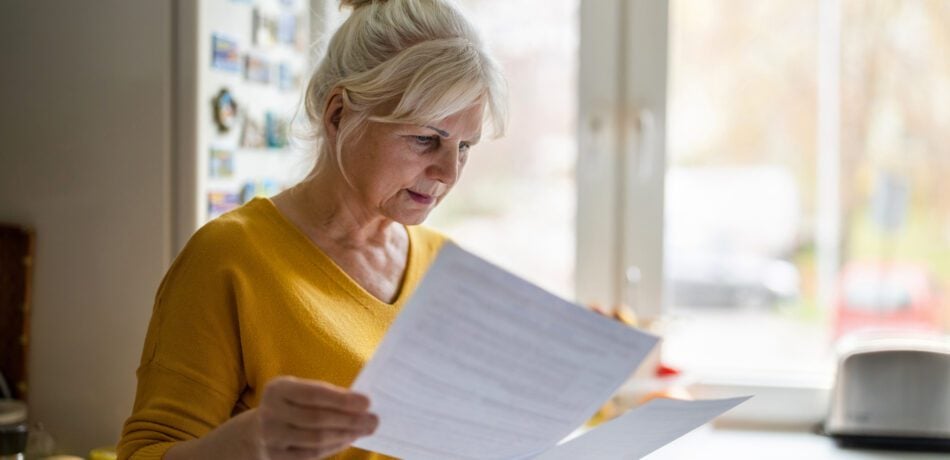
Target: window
[
  {"x": 786, "y": 157},
  {"x": 803, "y": 199}
]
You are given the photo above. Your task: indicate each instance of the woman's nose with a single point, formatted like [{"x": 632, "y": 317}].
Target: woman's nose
[{"x": 446, "y": 166}]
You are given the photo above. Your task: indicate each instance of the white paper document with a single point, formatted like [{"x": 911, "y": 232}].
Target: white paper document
[
  {"x": 642, "y": 430},
  {"x": 481, "y": 364}
]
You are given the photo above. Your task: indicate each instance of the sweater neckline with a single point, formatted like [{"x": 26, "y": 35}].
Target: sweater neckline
[{"x": 331, "y": 269}]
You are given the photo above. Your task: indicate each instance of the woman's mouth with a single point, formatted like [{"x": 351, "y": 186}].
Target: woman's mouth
[{"x": 420, "y": 198}]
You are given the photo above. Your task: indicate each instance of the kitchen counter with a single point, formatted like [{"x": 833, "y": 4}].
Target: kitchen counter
[{"x": 709, "y": 442}]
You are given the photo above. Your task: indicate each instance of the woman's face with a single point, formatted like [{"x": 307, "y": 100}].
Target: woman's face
[{"x": 403, "y": 171}]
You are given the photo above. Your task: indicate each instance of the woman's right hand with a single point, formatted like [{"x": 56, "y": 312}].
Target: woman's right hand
[
  {"x": 297, "y": 419},
  {"x": 307, "y": 419}
]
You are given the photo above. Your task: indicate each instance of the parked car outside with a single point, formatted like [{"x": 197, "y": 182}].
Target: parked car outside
[
  {"x": 729, "y": 234},
  {"x": 886, "y": 296}
]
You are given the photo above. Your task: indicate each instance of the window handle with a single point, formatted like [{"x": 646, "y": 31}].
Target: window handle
[{"x": 645, "y": 145}]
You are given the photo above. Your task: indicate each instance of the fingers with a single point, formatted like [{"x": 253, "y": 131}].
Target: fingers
[
  {"x": 309, "y": 393},
  {"x": 310, "y": 404},
  {"x": 308, "y": 417},
  {"x": 295, "y": 443},
  {"x": 291, "y": 438}
]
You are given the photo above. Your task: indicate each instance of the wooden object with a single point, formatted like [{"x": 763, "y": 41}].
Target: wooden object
[{"x": 16, "y": 268}]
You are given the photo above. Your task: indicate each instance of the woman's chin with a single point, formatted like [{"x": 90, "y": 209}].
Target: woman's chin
[{"x": 413, "y": 217}]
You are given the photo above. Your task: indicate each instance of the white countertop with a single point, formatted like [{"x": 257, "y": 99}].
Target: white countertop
[{"x": 708, "y": 442}]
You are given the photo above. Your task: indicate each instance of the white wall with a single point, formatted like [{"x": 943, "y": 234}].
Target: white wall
[{"x": 85, "y": 143}]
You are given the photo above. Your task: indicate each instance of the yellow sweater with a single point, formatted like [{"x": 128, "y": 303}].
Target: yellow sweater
[{"x": 250, "y": 298}]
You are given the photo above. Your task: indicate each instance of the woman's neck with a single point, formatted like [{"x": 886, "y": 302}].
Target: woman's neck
[{"x": 328, "y": 209}]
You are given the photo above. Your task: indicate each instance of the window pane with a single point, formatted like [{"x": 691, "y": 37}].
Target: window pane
[
  {"x": 515, "y": 202},
  {"x": 743, "y": 192},
  {"x": 895, "y": 159}
]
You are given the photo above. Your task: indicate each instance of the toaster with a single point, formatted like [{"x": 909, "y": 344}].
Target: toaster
[{"x": 894, "y": 394}]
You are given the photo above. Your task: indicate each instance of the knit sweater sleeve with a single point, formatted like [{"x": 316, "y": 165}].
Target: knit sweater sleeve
[{"x": 191, "y": 374}]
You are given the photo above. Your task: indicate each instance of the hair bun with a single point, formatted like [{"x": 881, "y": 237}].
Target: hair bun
[{"x": 357, "y": 3}]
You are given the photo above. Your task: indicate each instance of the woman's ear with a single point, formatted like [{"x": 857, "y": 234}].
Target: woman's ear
[{"x": 333, "y": 113}]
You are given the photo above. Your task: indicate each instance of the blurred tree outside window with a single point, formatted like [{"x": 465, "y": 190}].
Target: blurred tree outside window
[{"x": 743, "y": 201}]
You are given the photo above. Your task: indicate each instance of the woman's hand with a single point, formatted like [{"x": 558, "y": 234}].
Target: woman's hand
[
  {"x": 619, "y": 312},
  {"x": 306, "y": 419},
  {"x": 297, "y": 419}
]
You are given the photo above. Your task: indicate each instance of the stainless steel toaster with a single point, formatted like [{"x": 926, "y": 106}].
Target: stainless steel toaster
[{"x": 893, "y": 393}]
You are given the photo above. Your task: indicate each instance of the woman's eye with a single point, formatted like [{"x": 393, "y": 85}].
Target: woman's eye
[
  {"x": 464, "y": 146},
  {"x": 424, "y": 140}
]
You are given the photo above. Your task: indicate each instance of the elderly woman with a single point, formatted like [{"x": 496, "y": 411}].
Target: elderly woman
[{"x": 270, "y": 311}]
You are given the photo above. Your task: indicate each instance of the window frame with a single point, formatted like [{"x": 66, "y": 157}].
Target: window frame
[
  {"x": 622, "y": 85},
  {"x": 621, "y": 169}
]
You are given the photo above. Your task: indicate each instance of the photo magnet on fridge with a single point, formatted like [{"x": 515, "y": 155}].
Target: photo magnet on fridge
[
  {"x": 221, "y": 201},
  {"x": 224, "y": 53},
  {"x": 263, "y": 29},
  {"x": 256, "y": 69},
  {"x": 221, "y": 164},
  {"x": 252, "y": 133},
  {"x": 288, "y": 78},
  {"x": 275, "y": 131},
  {"x": 225, "y": 110},
  {"x": 287, "y": 28}
]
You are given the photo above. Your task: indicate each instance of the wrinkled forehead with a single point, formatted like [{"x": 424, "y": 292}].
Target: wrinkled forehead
[{"x": 466, "y": 124}]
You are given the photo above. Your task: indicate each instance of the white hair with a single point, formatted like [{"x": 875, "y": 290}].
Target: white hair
[{"x": 404, "y": 61}]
